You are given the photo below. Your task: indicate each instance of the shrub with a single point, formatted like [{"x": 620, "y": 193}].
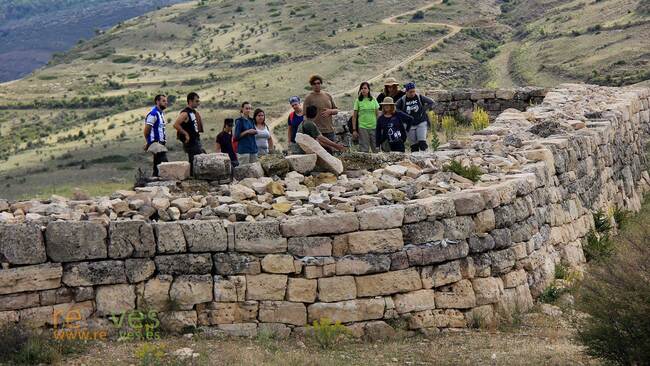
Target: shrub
[
  {"x": 122, "y": 59},
  {"x": 435, "y": 120},
  {"x": 435, "y": 141},
  {"x": 601, "y": 222},
  {"x": 480, "y": 119},
  {"x": 620, "y": 217},
  {"x": 597, "y": 246},
  {"x": 616, "y": 295},
  {"x": 150, "y": 354},
  {"x": 326, "y": 333},
  {"x": 551, "y": 294},
  {"x": 22, "y": 346},
  {"x": 450, "y": 127},
  {"x": 561, "y": 272},
  {"x": 472, "y": 172}
]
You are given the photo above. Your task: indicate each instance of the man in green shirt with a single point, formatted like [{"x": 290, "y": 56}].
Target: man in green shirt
[
  {"x": 309, "y": 128},
  {"x": 364, "y": 119}
]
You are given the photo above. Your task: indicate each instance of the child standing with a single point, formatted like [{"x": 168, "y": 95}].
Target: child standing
[
  {"x": 392, "y": 126},
  {"x": 224, "y": 141}
]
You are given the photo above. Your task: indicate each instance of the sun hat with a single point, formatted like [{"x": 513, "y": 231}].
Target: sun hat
[
  {"x": 391, "y": 81},
  {"x": 409, "y": 86},
  {"x": 387, "y": 101},
  {"x": 293, "y": 100}
]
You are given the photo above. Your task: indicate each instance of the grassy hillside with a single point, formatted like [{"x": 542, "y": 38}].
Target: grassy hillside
[
  {"x": 78, "y": 121},
  {"x": 602, "y": 42}
]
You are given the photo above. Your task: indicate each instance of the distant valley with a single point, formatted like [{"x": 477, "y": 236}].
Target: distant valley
[{"x": 31, "y": 31}]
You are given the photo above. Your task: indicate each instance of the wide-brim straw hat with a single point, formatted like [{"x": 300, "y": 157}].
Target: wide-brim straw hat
[
  {"x": 387, "y": 101},
  {"x": 390, "y": 82}
]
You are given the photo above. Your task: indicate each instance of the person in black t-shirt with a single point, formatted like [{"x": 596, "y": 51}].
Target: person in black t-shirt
[
  {"x": 224, "y": 141},
  {"x": 189, "y": 126},
  {"x": 391, "y": 127}
]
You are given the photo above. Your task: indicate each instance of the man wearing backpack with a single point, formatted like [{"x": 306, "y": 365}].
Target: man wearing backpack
[{"x": 416, "y": 106}]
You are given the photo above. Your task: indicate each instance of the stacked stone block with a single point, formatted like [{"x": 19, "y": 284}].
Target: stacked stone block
[{"x": 435, "y": 262}]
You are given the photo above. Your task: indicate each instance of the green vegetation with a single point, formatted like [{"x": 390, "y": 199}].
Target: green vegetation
[
  {"x": 471, "y": 172},
  {"x": 480, "y": 119},
  {"x": 598, "y": 244},
  {"x": 450, "y": 127},
  {"x": 326, "y": 333},
  {"x": 616, "y": 295},
  {"x": 23, "y": 346},
  {"x": 551, "y": 294}
]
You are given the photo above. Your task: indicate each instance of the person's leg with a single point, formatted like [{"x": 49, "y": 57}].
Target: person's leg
[
  {"x": 421, "y": 134},
  {"x": 193, "y": 151},
  {"x": 363, "y": 140},
  {"x": 155, "y": 165},
  {"x": 158, "y": 158},
  {"x": 411, "y": 137},
  {"x": 252, "y": 158},
  {"x": 371, "y": 140}
]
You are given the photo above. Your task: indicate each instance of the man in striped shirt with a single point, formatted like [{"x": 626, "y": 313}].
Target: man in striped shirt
[{"x": 154, "y": 132}]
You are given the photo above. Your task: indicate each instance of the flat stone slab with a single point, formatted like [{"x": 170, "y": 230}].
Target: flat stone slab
[{"x": 325, "y": 159}]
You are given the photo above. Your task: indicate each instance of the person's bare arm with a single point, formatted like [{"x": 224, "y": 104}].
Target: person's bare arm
[
  {"x": 289, "y": 134},
  {"x": 325, "y": 142},
  {"x": 177, "y": 125},
  {"x": 270, "y": 143},
  {"x": 199, "y": 122},
  {"x": 147, "y": 131},
  {"x": 217, "y": 147}
]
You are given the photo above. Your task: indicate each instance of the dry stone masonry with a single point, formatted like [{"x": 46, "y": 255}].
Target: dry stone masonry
[{"x": 393, "y": 237}]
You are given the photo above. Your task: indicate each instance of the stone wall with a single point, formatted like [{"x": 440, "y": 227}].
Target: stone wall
[
  {"x": 436, "y": 262},
  {"x": 461, "y": 102}
]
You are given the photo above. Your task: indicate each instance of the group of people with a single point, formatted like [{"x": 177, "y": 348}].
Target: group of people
[{"x": 384, "y": 123}]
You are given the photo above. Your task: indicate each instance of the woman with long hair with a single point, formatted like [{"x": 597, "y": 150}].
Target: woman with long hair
[
  {"x": 245, "y": 135},
  {"x": 364, "y": 118},
  {"x": 263, "y": 138}
]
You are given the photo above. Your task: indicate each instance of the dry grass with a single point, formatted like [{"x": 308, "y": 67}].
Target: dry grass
[{"x": 539, "y": 340}]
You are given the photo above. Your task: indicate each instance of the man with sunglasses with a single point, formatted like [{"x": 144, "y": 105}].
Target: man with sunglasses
[{"x": 325, "y": 105}]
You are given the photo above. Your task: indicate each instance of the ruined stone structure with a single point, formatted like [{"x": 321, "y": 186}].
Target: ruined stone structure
[{"x": 436, "y": 260}]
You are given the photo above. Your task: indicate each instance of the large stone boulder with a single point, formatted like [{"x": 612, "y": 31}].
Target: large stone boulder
[
  {"x": 302, "y": 164},
  {"x": 30, "y": 278},
  {"x": 275, "y": 164},
  {"x": 212, "y": 166},
  {"x": 174, "y": 170},
  {"x": 94, "y": 273},
  {"x": 131, "y": 238},
  {"x": 22, "y": 244},
  {"x": 244, "y": 171},
  {"x": 69, "y": 241},
  {"x": 325, "y": 159}
]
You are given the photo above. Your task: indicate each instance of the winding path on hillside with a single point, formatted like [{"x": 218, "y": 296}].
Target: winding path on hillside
[{"x": 392, "y": 20}]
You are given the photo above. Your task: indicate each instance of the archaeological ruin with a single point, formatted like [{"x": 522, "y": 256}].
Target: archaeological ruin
[{"x": 361, "y": 239}]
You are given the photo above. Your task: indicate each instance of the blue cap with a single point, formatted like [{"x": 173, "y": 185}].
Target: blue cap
[
  {"x": 294, "y": 100},
  {"x": 409, "y": 86}
]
